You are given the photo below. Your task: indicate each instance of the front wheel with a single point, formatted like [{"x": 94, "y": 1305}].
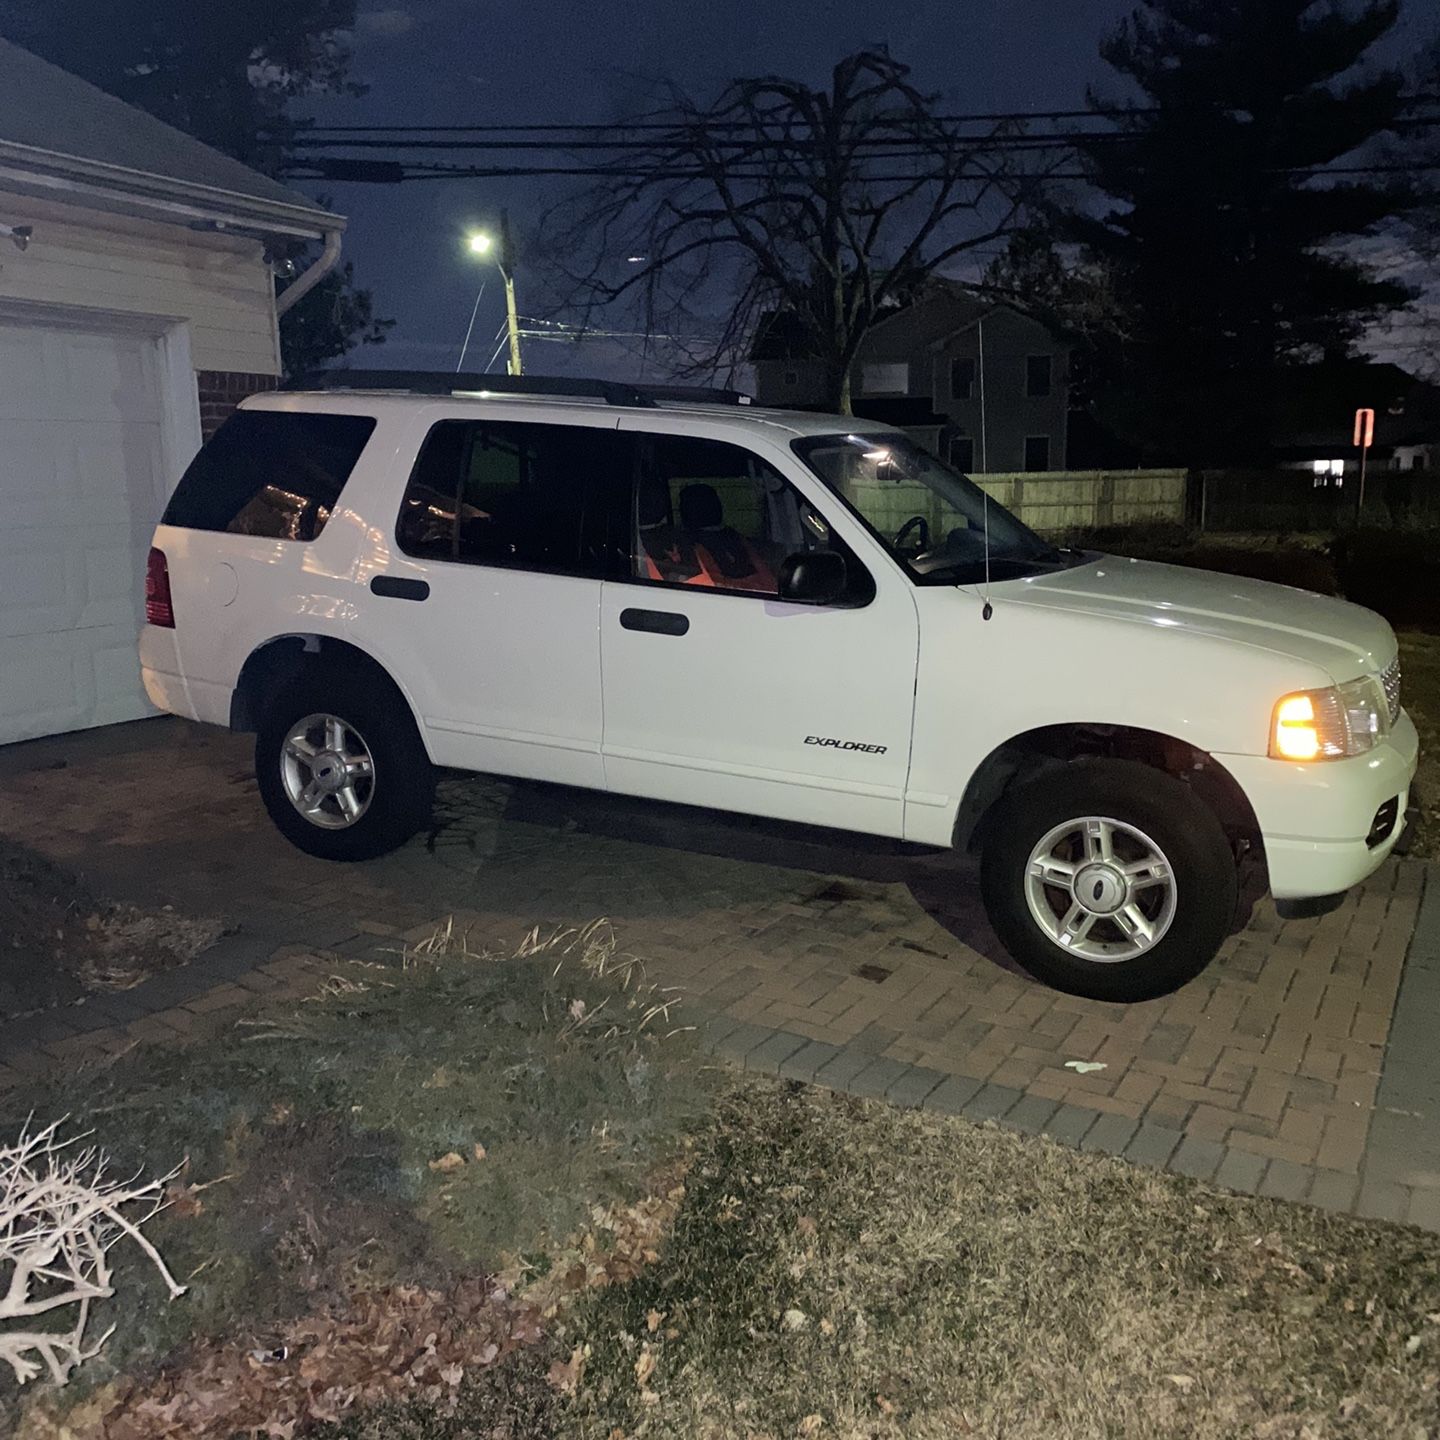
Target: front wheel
[
  {"x": 1108, "y": 879},
  {"x": 341, "y": 766}
]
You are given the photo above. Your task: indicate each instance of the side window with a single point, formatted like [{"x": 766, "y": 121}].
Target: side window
[
  {"x": 711, "y": 514},
  {"x": 271, "y": 473},
  {"x": 509, "y": 493},
  {"x": 962, "y": 453},
  {"x": 962, "y": 379},
  {"x": 1037, "y": 452}
]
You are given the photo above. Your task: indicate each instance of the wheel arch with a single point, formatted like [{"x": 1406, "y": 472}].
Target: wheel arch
[
  {"x": 1028, "y": 755},
  {"x": 283, "y": 657}
]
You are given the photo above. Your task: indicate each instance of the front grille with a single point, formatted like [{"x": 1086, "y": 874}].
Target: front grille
[{"x": 1391, "y": 681}]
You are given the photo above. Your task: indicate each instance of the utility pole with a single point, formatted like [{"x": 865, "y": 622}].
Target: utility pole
[{"x": 507, "y": 274}]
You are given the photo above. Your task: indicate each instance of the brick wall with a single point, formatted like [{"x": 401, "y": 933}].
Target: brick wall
[{"x": 222, "y": 390}]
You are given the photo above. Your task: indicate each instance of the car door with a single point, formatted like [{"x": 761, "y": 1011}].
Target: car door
[
  {"x": 488, "y": 607},
  {"x": 720, "y": 693}
]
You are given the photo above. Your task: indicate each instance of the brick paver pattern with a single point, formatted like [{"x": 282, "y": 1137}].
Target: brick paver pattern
[{"x": 842, "y": 960}]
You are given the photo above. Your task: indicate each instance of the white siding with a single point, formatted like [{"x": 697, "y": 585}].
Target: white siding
[{"x": 87, "y": 258}]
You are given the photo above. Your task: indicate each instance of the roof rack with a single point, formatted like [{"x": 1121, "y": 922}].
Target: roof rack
[{"x": 446, "y": 382}]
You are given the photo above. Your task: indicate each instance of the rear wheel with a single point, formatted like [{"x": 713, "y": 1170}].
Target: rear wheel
[
  {"x": 1108, "y": 879},
  {"x": 341, "y": 767}
]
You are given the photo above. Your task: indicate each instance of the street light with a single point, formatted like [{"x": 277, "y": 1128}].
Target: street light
[{"x": 481, "y": 244}]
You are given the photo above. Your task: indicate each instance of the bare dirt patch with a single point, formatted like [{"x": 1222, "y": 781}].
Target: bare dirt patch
[{"x": 60, "y": 941}]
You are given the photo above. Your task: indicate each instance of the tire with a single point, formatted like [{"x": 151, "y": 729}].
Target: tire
[
  {"x": 385, "y": 806},
  {"x": 1147, "y": 932}
]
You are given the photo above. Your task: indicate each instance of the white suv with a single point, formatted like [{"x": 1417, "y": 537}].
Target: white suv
[{"x": 791, "y": 615}]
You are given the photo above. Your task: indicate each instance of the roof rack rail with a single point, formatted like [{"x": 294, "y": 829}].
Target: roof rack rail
[{"x": 446, "y": 382}]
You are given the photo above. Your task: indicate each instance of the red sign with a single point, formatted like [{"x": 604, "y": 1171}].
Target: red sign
[{"x": 1364, "y": 429}]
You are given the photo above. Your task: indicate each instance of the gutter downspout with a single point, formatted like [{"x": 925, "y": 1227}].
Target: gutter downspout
[{"x": 308, "y": 279}]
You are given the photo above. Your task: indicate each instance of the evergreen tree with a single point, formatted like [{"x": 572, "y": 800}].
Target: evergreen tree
[{"x": 1220, "y": 241}]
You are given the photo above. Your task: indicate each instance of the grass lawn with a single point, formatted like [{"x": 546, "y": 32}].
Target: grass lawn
[
  {"x": 389, "y": 1158},
  {"x": 647, "y": 1246}
]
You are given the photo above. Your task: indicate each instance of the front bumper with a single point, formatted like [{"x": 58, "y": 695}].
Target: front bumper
[{"x": 1315, "y": 819}]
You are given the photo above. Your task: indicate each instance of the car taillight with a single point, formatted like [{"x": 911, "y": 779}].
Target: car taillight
[{"x": 158, "y": 608}]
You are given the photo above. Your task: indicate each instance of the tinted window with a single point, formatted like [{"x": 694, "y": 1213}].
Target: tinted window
[
  {"x": 714, "y": 515},
  {"x": 274, "y": 473},
  {"x": 536, "y": 497},
  {"x": 1037, "y": 375}
]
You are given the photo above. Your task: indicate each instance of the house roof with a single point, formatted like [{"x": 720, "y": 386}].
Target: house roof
[
  {"x": 940, "y": 311},
  {"x": 60, "y": 117},
  {"x": 1315, "y": 406}
]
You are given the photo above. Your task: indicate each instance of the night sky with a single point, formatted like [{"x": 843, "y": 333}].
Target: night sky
[{"x": 450, "y": 62}]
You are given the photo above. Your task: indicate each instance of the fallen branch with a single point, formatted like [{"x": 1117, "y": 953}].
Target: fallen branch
[{"x": 59, "y": 1219}]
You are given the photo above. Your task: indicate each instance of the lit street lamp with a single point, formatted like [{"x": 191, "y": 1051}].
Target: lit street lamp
[{"x": 481, "y": 244}]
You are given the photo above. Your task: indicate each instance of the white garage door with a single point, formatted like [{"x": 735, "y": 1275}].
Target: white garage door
[{"x": 81, "y": 486}]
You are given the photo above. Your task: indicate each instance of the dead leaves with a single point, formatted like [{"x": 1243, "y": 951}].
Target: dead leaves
[
  {"x": 405, "y": 1342},
  {"x": 564, "y": 1375},
  {"x": 645, "y": 1365},
  {"x": 453, "y": 1160}
]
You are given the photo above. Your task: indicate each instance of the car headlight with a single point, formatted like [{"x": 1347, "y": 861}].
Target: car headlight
[{"x": 1329, "y": 724}]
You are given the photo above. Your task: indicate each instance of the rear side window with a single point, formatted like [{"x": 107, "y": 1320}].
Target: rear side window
[
  {"x": 271, "y": 473},
  {"x": 524, "y": 496}
]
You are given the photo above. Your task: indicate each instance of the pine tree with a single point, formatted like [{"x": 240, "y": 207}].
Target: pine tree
[{"x": 1219, "y": 239}]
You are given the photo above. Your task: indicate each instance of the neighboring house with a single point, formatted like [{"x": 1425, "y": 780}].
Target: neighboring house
[
  {"x": 984, "y": 386},
  {"x": 1315, "y": 419},
  {"x": 137, "y": 307}
]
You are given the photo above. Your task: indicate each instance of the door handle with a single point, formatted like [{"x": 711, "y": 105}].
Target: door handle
[
  {"x": 400, "y": 587},
  {"x": 655, "y": 622}
]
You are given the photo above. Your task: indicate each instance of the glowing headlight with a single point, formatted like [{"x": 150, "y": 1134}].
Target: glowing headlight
[{"x": 1329, "y": 724}]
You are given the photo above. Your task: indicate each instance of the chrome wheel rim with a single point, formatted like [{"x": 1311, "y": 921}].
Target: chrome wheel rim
[
  {"x": 1101, "y": 889},
  {"x": 328, "y": 771}
]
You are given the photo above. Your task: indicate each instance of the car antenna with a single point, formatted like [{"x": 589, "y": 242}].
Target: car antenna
[{"x": 988, "y": 610}]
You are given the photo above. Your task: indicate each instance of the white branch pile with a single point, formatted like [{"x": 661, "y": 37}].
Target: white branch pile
[{"x": 59, "y": 1218}]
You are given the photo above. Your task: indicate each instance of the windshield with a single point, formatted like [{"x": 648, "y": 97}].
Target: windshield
[{"x": 931, "y": 518}]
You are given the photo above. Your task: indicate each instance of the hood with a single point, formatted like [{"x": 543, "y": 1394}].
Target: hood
[{"x": 1343, "y": 639}]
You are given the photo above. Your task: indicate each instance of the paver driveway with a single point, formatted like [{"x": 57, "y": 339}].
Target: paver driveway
[{"x": 816, "y": 955}]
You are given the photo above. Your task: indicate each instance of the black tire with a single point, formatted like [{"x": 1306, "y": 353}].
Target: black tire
[
  {"x": 1184, "y": 829},
  {"x": 401, "y": 791}
]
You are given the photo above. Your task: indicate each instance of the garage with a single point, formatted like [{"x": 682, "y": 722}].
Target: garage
[
  {"x": 137, "y": 308},
  {"x": 81, "y": 485}
]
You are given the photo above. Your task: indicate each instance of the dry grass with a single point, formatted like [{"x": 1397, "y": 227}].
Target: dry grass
[
  {"x": 844, "y": 1269},
  {"x": 455, "y": 1114}
]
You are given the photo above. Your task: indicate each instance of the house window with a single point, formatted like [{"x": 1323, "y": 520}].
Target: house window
[
  {"x": 1037, "y": 452},
  {"x": 962, "y": 453},
  {"x": 792, "y": 378},
  {"x": 1037, "y": 375},
  {"x": 886, "y": 379},
  {"x": 962, "y": 379}
]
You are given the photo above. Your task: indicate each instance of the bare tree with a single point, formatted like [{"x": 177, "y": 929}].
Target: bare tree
[
  {"x": 59, "y": 1218},
  {"x": 824, "y": 206}
]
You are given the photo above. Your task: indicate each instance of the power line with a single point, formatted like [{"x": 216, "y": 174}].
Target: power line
[{"x": 642, "y": 125}]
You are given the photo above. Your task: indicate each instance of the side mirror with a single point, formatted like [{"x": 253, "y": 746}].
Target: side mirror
[{"x": 816, "y": 577}]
